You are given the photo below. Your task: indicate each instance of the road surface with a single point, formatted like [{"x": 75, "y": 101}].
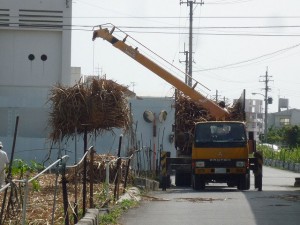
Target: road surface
[{"x": 277, "y": 204}]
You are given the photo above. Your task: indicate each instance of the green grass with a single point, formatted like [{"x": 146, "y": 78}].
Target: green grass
[
  {"x": 285, "y": 155},
  {"x": 115, "y": 213}
]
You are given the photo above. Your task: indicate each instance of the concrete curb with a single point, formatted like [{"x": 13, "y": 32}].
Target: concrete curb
[
  {"x": 294, "y": 167},
  {"x": 147, "y": 184},
  {"x": 92, "y": 216}
]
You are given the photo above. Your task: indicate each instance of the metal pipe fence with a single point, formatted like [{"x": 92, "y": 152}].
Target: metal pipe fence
[{"x": 30, "y": 202}]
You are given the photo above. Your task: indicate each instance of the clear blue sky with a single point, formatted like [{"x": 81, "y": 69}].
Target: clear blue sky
[{"x": 234, "y": 42}]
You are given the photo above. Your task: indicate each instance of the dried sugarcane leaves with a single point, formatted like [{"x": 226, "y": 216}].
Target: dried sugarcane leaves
[{"x": 98, "y": 106}]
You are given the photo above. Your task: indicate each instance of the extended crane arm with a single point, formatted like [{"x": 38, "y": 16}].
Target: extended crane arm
[{"x": 213, "y": 108}]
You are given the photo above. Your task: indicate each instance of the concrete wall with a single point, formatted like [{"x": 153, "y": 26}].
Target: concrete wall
[
  {"x": 31, "y": 145},
  {"x": 295, "y": 120},
  {"x": 107, "y": 142},
  {"x": 26, "y": 78},
  {"x": 35, "y": 54},
  {"x": 292, "y": 114}
]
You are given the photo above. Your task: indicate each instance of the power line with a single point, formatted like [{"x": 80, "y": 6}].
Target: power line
[
  {"x": 175, "y": 17},
  {"x": 225, "y": 2},
  {"x": 82, "y": 28},
  {"x": 209, "y": 27},
  {"x": 250, "y": 60},
  {"x": 216, "y": 34}
]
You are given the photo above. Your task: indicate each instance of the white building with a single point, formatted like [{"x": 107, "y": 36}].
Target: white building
[
  {"x": 284, "y": 118},
  {"x": 255, "y": 116},
  {"x": 35, "y": 54}
]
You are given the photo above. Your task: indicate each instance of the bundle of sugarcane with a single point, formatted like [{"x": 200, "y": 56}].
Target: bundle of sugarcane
[
  {"x": 188, "y": 112},
  {"x": 236, "y": 112},
  {"x": 100, "y": 106}
]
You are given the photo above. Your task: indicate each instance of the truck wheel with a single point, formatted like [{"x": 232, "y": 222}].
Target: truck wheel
[
  {"x": 193, "y": 182},
  {"x": 183, "y": 179},
  {"x": 243, "y": 182},
  {"x": 199, "y": 183},
  {"x": 248, "y": 181},
  {"x": 231, "y": 183}
]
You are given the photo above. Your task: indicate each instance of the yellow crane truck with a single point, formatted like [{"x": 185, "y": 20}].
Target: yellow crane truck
[{"x": 221, "y": 151}]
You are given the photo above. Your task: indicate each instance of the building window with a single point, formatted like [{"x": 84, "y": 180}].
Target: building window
[
  {"x": 284, "y": 121},
  {"x": 259, "y": 116}
]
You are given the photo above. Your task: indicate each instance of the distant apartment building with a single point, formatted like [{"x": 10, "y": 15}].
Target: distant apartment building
[
  {"x": 284, "y": 118},
  {"x": 255, "y": 116}
]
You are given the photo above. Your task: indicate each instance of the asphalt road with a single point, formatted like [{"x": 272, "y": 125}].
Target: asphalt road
[{"x": 277, "y": 204}]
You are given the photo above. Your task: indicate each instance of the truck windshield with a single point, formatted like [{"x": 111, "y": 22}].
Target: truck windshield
[{"x": 220, "y": 135}]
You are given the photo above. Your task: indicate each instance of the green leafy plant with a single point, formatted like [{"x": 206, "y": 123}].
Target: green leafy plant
[
  {"x": 287, "y": 135},
  {"x": 116, "y": 212},
  {"x": 20, "y": 167},
  {"x": 285, "y": 154}
]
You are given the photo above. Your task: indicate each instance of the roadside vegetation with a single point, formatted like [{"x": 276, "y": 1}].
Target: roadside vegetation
[
  {"x": 40, "y": 198},
  {"x": 115, "y": 213},
  {"x": 288, "y": 140},
  {"x": 283, "y": 154}
]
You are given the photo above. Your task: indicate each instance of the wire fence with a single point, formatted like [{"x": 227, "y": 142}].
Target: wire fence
[{"x": 61, "y": 193}]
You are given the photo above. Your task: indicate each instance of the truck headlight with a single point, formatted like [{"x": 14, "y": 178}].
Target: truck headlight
[
  {"x": 200, "y": 164},
  {"x": 240, "y": 164}
]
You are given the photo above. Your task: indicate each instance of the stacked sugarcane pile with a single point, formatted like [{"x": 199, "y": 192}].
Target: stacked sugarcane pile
[
  {"x": 96, "y": 107},
  {"x": 188, "y": 112},
  {"x": 236, "y": 112},
  {"x": 100, "y": 162}
]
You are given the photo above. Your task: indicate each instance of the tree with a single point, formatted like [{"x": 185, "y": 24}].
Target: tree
[
  {"x": 287, "y": 135},
  {"x": 292, "y": 136},
  {"x": 275, "y": 135}
]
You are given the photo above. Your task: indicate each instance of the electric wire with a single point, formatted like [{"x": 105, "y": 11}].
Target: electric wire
[
  {"x": 82, "y": 28},
  {"x": 40, "y": 25},
  {"x": 224, "y": 2},
  {"x": 251, "y": 59}
]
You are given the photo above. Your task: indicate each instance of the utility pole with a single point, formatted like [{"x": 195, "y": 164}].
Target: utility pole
[
  {"x": 266, "y": 79},
  {"x": 191, "y": 4},
  {"x": 186, "y": 53},
  {"x": 98, "y": 71},
  {"x": 217, "y": 96},
  {"x": 133, "y": 84}
]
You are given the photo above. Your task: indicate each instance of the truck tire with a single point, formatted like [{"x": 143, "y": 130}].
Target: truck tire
[
  {"x": 198, "y": 183},
  {"x": 248, "y": 181},
  {"x": 244, "y": 182},
  {"x": 183, "y": 179},
  {"x": 231, "y": 183}
]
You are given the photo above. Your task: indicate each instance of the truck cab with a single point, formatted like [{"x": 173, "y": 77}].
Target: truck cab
[{"x": 220, "y": 154}]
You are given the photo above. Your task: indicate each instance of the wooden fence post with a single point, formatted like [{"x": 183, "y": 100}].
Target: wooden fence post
[
  {"x": 92, "y": 178},
  {"x": 118, "y": 168}
]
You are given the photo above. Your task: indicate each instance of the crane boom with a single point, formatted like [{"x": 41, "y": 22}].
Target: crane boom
[{"x": 214, "y": 109}]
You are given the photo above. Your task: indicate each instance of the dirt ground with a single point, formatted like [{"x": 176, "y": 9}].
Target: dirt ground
[{"x": 40, "y": 202}]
